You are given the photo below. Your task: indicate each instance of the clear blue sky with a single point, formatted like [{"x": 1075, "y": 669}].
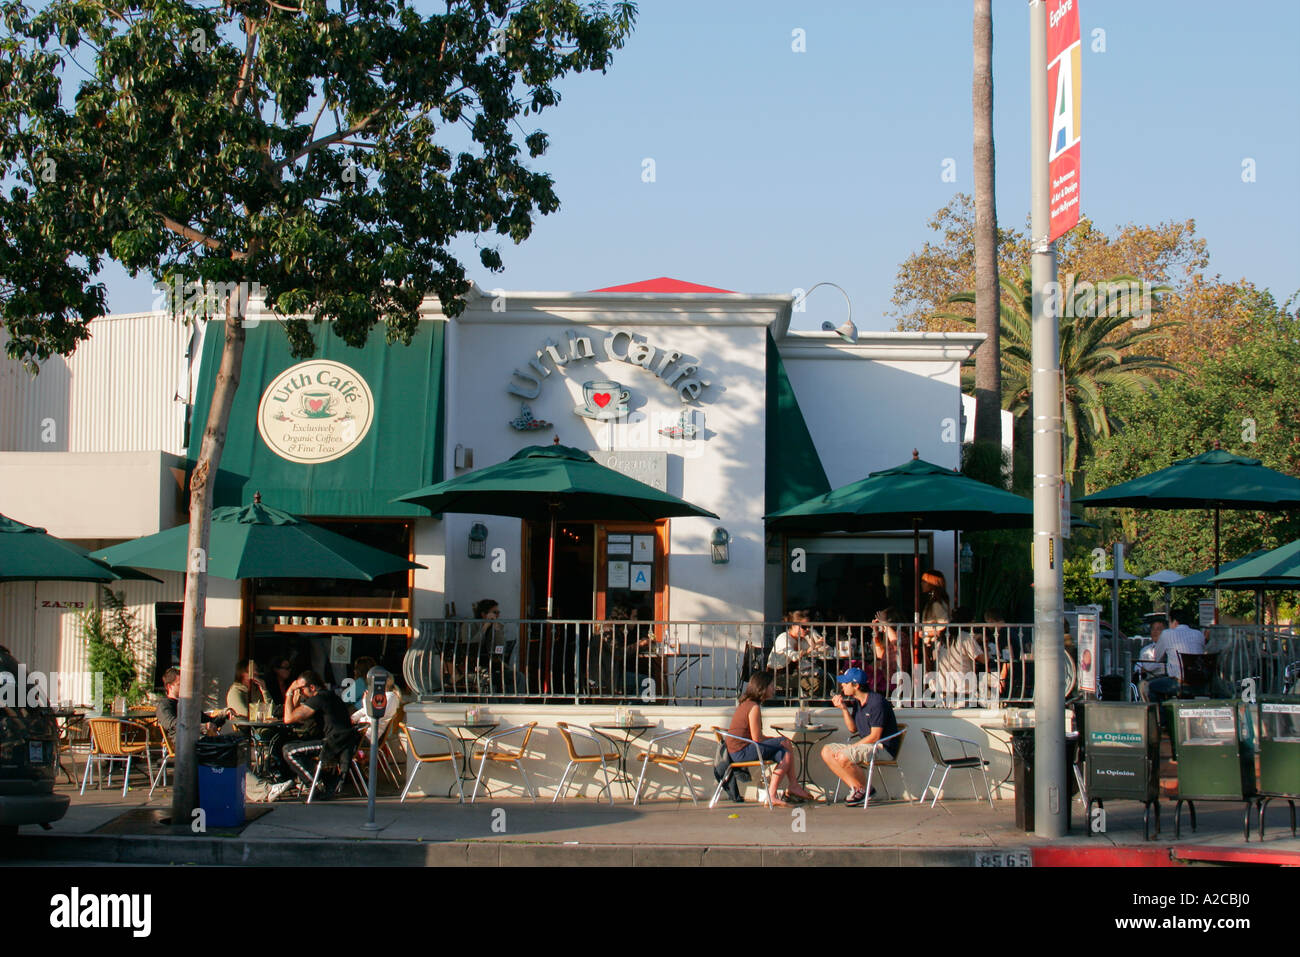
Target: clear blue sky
[{"x": 776, "y": 169}]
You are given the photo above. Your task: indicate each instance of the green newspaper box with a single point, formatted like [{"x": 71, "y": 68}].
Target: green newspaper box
[
  {"x": 1279, "y": 753},
  {"x": 1122, "y": 750},
  {"x": 1215, "y": 744}
]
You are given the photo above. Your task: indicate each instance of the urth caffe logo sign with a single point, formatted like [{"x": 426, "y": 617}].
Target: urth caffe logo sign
[
  {"x": 315, "y": 412},
  {"x": 676, "y": 369}
]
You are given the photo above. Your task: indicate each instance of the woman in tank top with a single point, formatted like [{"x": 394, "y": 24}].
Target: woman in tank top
[{"x": 747, "y": 722}]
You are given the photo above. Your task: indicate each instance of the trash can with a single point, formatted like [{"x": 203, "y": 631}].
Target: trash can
[
  {"x": 1279, "y": 753},
  {"x": 222, "y": 762},
  {"x": 1122, "y": 751},
  {"x": 1215, "y": 750}
]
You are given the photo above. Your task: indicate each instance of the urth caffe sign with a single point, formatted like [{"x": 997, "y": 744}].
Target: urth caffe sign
[{"x": 678, "y": 370}]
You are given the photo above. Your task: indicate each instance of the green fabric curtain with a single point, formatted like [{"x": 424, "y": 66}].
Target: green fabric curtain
[
  {"x": 401, "y": 451},
  {"x": 794, "y": 471}
]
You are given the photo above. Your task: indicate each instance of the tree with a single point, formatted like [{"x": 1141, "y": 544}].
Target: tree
[
  {"x": 195, "y": 151},
  {"x": 988, "y": 358},
  {"x": 1167, "y": 254},
  {"x": 1100, "y": 329},
  {"x": 1246, "y": 400}
]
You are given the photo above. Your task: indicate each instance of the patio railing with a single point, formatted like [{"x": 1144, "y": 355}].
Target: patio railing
[
  {"x": 1268, "y": 655},
  {"x": 708, "y": 662}
]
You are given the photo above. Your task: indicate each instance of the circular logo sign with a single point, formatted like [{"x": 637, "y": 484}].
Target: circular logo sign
[{"x": 316, "y": 411}]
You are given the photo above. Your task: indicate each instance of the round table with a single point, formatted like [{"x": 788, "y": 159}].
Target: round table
[
  {"x": 476, "y": 732},
  {"x": 630, "y": 732},
  {"x": 261, "y": 742},
  {"x": 804, "y": 741}
]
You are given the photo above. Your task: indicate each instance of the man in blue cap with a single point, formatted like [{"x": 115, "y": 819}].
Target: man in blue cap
[{"x": 870, "y": 718}]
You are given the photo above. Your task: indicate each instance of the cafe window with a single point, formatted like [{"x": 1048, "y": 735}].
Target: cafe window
[
  {"x": 327, "y": 623},
  {"x": 851, "y": 577}
]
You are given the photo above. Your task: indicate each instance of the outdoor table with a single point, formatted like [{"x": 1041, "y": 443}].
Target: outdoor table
[
  {"x": 1007, "y": 741},
  {"x": 804, "y": 741},
  {"x": 630, "y": 732},
  {"x": 261, "y": 741},
  {"x": 687, "y": 658},
  {"x": 468, "y": 735},
  {"x": 69, "y": 720}
]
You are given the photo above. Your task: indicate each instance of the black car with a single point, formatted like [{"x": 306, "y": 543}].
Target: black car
[{"x": 29, "y": 754}]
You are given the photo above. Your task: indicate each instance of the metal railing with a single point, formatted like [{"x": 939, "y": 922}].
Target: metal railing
[
  {"x": 708, "y": 662},
  {"x": 1269, "y": 655}
]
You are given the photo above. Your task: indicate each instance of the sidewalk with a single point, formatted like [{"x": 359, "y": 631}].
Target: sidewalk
[{"x": 513, "y": 831}]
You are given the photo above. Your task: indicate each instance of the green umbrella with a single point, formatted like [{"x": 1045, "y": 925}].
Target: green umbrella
[
  {"x": 541, "y": 481},
  {"x": 918, "y": 494},
  {"x": 1205, "y": 579},
  {"x": 1214, "y": 479},
  {"x": 32, "y": 554},
  {"x": 1279, "y": 568},
  {"x": 257, "y": 541}
]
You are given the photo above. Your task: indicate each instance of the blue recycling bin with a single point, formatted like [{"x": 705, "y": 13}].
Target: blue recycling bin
[{"x": 222, "y": 763}]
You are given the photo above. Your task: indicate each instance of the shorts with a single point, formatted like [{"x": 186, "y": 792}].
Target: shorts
[
  {"x": 774, "y": 749},
  {"x": 859, "y": 752}
]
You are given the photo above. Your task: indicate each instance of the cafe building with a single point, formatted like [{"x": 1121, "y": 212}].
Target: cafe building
[{"x": 703, "y": 393}]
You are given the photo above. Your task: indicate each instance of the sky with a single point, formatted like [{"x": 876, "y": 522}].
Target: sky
[{"x": 775, "y": 167}]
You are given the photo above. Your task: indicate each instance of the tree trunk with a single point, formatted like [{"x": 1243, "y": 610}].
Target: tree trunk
[
  {"x": 190, "y": 716},
  {"x": 988, "y": 358}
]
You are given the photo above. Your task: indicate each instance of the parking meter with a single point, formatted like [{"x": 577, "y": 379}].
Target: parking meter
[
  {"x": 376, "y": 705},
  {"x": 377, "y": 681}
]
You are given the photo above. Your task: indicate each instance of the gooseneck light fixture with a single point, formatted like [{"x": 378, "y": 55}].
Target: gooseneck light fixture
[{"x": 846, "y": 330}]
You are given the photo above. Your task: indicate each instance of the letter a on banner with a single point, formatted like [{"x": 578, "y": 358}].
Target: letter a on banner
[{"x": 1064, "y": 59}]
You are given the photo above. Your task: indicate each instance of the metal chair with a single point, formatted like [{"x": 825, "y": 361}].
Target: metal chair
[
  {"x": 667, "y": 759},
  {"x": 490, "y": 749},
  {"x": 576, "y": 758},
  {"x": 114, "y": 740},
  {"x": 968, "y": 761},
  {"x": 415, "y": 759},
  {"x": 732, "y": 766},
  {"x": 877, "y": 762},
  {"x": 353, "y": 772},
  {"x": 1198, "y": 673},
  {"x": 168, "y": 754}
]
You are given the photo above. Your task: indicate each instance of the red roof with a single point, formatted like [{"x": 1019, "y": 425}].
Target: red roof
[{"x": 663, "y": 284}]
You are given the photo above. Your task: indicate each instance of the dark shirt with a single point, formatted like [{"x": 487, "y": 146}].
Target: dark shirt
[
  {"x": 331, "y": 722},
  {"x": 167, "y": 715},
  {"x": 876, "y": 713}
]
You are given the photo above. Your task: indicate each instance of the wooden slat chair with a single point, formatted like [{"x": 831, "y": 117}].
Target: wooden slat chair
[
  {"x": 491, "y": 749},
  {"x": 415, "y": 759},
  {"x": 761, "y": 763},
  {"x": 114, "y": 740},
  {"x": 667, "y": 759},
  {"x": 601, "y": 756},
  {"x": 880, "y": 762}
]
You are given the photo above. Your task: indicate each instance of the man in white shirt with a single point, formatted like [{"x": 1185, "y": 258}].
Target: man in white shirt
[
  {"x": 795, "y": 648},
  {"x": 1177, "y": 638}
]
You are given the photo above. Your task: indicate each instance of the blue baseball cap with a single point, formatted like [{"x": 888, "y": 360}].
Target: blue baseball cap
[{"x": 855, "y": 675}]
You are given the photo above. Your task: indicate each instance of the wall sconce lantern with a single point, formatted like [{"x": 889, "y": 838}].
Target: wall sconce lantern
[
  {"x": 721, "y": 546},
  {"x": 967, "y": 557},
  {"x": 478, "y": 540}
]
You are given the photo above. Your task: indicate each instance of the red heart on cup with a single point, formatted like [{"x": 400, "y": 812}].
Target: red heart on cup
[
  {"x": 315, "y": 405},
  {"x": 601, "y": 398}
]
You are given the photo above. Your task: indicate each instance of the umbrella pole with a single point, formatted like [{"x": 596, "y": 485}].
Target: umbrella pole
[
  {"x": 1216, "y": 563},
  {"x": 916, "y": 591}
]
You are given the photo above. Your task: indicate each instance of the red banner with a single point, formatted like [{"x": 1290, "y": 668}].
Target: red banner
[{"x": 1064, "y": 58}]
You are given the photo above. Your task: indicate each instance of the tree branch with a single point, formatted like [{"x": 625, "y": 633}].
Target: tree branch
[
  {"x": 324, "y": 141},
  {"x": 246, "y": 70},
  {"x": 192, "y": 234}
]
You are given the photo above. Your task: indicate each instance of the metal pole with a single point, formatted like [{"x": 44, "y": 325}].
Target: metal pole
[
  {"x": 1118, "y": 565},
  {"x": 370, "y": 824},
  {"x": 1052, "y": 809}
]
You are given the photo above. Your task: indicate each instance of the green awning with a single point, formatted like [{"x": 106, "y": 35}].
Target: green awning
[
  {"x": 794, "y": 470},
  {"x": 330, "y": 461}
]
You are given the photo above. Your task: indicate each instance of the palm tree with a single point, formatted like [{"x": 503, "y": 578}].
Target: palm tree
[
  {"x": 988, "y": 361},
  {"x": 1100, "y": 329}
]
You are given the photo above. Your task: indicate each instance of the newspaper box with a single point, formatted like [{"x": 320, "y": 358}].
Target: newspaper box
[{"x": 1122, "y": 752}]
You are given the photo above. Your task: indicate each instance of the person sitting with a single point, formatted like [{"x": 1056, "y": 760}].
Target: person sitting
[
  {"x": 794, "y": 652},
  {"x": 869, "y": 717},
  {"x": 747, "y": 722},
  {"x": 325, "y": 732},
  {"x": 958, "y": 660},
  {"x": 354, "y": 689},
  {"x": 280, "y": 676},
  {"x": 392, "y": 709},
  {"x": 247, "y": 689},
  {"x": 935, "y": 610},
  {"x": 1177, "y": 638},
  {"x": 168, "y": 712}
]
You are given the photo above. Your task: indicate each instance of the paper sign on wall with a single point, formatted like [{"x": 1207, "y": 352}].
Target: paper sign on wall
[
  {"x": 618, "y": 574},
  {"x": 643, "y": 548},
  {"x": 340, "y": 649},
  {"x": 640, "y": 577},
  {"x": 618, "y": 545},
  {"x": 1087, "y": 645}
]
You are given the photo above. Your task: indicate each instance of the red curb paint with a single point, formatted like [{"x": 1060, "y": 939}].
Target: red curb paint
[
  {"x": 1237, "y": 855},
  {"x": 1104, "y": 857}
]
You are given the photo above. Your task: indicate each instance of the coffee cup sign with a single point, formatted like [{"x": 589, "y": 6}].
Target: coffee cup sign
[
  {"x": 316, "y": 411},
  {"x": 603, "y": 399}
]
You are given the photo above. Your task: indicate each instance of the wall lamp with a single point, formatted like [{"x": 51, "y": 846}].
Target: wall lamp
[
  {"x": 478, "y": 540},
  {"x": 721, "y": 546},
  {"x": 846, "y": 330}
]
